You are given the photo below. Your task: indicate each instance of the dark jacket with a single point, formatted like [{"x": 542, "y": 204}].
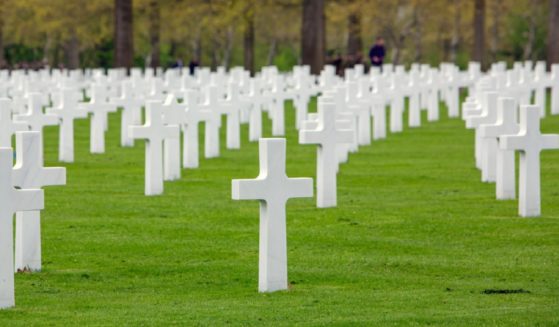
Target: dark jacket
[{"x": 377, "y": 51}]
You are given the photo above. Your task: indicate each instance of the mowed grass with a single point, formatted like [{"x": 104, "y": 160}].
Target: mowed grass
[{"x": 416, "y": 239}]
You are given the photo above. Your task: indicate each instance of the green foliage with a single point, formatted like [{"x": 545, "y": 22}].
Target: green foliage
[
  {"x": 285, "y": 59},
  {"x": 415, "y": 29},
  {"x": 19, "y": 53},
  {"x": 518, "y": 37}
]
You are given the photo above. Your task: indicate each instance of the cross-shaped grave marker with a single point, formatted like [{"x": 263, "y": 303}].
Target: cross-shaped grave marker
[
  {"x": 232, "y": 107},
  {"x": 486, "y": 149},
  {"x": 11, "y": 201},
  {"x": 530, "y": 142},
  {"x": 507, "y": 124},
  {"x": 212, "y": 106},
  {"x": 131, "y": 111},
  {"x": 328, "y": 138},
  {"x": 174, "y": 114},
  {"x": 273, "y": 188},
  {"x": 67, "y": 111},
  {"x": 193, "y": 116},
  {"x": 35, "y": 117},
  {"x": 154, "y": 131},
  {"x": 29, "y": 173},
  {"x": 100, "y": 108}
]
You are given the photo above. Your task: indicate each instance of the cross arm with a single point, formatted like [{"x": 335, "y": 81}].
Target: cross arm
[
  {"x": 248, "y": 189},
  {"x": 512, "y": 142},
  {"x": 309, "y": 136},
  {"x": 490, "y": 130},
  {"x": 139, "y": 132},
  {"x": 345, "y": 136},
  {"x": 550, "y": 141},
  {"x": 302, "y": 187}
]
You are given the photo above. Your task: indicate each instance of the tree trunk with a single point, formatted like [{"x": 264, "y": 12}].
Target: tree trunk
[
  {"x": 417, "y": 34},
  {"x": 124, "y": 37},
  {"x": 229, "y": 40},
  {"x": 455, "y": 42},
  {"x": 354, "y": 40},
  {"x": 72, "y": 52},
  {"x": 197, "y": 47},
  {"x": 313, "y": 35},
  {"x": 154, "y": 31},
  {"x": 2, "y": 56},
  {"x": 249, "y": 40},
  {"x": 530, "y": 42},
  {"x": 479, "y": 31},
  {"x": 553, "y": 33},
  {"x": 272, "y": 52},
  {"x": 215, "y": 53},
  {"x": 497, "y": 12}
]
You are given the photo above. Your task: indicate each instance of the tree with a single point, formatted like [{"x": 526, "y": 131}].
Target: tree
[
  {"x": 313, "y": 35},
  {"x": 123, "y": 34},
  {"x": 553, "y": 33},
  {"x": 354, "y": 39},
  {"x": 248, "y": 43},
  {"x": 154, "y": 31},
  {"x": 479, "y": 31}
]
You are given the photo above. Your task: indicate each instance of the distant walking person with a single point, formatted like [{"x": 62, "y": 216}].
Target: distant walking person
[{"x": 377, "y": 53}]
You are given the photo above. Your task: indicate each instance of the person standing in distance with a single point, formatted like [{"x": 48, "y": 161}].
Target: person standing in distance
[{"x": 377, "y": 53}]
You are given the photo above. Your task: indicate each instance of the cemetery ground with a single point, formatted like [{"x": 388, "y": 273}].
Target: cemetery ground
[{"x": 416, "y": 239}]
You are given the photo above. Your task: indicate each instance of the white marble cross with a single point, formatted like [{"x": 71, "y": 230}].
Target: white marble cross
[
  {"x": 232, "y": 107},
  {"x": 273, "y": 188},
  {"x": 277, "y": 111},
  {"x": 255, "y": 117},
  {"x": 100, "y": 108},
  {"x": 486, "y": 149},
  {"x": 433, "y": 95},
  {"x": 193, "y": 116},
  {"x": 361, "y": 107},
  {"x": 7, "y": 126},
  {"x": 507, "y": 124},
  {"x": 11, "y": 201},
  {"x": 211, "y": 106},
  {"x": 131, "y": 111},
  {"x": 174, "y": 114},
  {"x": 328, "y": 138},
  {"x": 303, "y": 96},
  {"x": 29, "y": 173},
  {"x": 530, "y": 142},
  {"x": 154, "y": 131},
  {"x": 35, "y": 117},
  {"x": 67, "y": 112}
]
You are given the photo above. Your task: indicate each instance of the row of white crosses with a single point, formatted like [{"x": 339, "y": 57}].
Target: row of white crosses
[
  {"x": 500, "y": 131},
  {"x": 332, "y": 133},
  {"x": 422, "y": 85},
  {"x": 340, "y": 125}
]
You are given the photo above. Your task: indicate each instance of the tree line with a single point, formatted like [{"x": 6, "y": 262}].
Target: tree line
[{"x": 254, "y": 33}]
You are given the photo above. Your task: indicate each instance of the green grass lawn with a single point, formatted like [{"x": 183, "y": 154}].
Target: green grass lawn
[{"x": 416, "y": 239}]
